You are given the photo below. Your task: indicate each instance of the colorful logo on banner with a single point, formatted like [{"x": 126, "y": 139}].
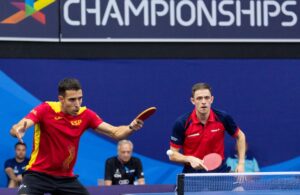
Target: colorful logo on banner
[{"x": 28, "y": 8}]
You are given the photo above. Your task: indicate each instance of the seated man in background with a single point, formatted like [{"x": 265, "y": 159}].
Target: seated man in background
[
  {"x": 15, "y": 167},
  {"x": 123, "y": 169},
  {"x": 251, "y": 164}
]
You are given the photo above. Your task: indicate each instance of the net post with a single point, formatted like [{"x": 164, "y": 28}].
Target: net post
[{"x": 180, "y": 184}]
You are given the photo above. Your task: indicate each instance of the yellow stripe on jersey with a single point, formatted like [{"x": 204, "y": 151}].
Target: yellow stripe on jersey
[
  {"x": 56, "y": 106},
  {"x": 81, "y": 110},
  {"x": 37, "y": 139}
]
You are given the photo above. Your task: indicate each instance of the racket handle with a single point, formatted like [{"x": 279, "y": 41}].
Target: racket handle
[{"x": 206, "y": 169}]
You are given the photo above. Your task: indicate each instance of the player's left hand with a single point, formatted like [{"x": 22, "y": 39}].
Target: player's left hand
[
  {"x": 18, "y": 131},
  {"x": 240, "y": 168},
  {"x": 136, "y": 124}
]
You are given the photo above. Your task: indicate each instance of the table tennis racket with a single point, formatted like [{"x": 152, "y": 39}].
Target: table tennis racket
[
  {"x": 212, "y": 161},
  {"x": 146, "y": 113}
]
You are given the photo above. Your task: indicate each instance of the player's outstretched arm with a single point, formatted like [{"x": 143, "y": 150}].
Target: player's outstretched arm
[
  {"x": 119, "y": 132},
  {"x": 18, "y": 130},
  {"x": 176, "y": 156}
]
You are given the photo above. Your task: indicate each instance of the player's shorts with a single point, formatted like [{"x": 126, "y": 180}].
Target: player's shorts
[{"x": 35, "y": 183}]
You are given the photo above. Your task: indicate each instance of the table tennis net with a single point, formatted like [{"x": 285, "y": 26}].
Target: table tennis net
[{"x": 237, "y": 181}]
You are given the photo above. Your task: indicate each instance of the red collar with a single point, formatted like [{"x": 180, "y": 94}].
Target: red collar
[{"x": 211, "y": 117}]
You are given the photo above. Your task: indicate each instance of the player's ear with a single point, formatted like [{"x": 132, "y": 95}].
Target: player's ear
[
  {"x": 192, "y": 100},
  {"x": 212, "y": 99},
  {"x": 60, "y": 98}
]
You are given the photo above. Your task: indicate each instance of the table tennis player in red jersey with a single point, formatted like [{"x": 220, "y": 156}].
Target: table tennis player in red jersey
[
  {"x": 202, "y": 132},
  {"x": 58, "y": 128}
]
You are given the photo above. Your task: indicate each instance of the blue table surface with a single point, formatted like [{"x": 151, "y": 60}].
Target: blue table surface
[{"x": 252, "y": 192}]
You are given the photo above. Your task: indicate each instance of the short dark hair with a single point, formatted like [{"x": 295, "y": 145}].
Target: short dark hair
[
  {"x": 68, "y": 84},
  {"x": 198, "y": 86},
  {"x": 20, "y": 143}
]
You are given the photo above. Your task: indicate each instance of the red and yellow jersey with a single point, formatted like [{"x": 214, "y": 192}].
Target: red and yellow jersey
[{"x": 56, "y": 138}]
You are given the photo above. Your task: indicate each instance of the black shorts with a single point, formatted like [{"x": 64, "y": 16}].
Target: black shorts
[{"x": 35, "y": 183}]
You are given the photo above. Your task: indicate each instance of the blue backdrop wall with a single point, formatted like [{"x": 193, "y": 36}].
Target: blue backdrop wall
[{"x": 261, "y": 95}]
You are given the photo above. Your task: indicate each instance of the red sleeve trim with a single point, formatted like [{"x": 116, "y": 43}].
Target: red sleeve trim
[
  {"x": 175, "y": 145},
  {"x": 95, "y": 119},
  {"x": 100, "y": 122},
  {"x": 236, "y": 132},
  {"x": 35, "y": 113},
  {"x": 34, "y": 119}
]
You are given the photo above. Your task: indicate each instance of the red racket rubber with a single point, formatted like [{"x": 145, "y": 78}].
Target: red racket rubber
[{"x": 212, "y": 161}]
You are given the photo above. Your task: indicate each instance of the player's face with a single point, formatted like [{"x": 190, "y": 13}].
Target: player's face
[
  {"x": 202, "y": 100},
  {"x": 20, "y": 152},
  {"x": 71, "y": 101},
  {"x": 125, "y": 152}
]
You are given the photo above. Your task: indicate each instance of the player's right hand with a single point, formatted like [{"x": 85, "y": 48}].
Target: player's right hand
[
  {"x": 19, "y": 131},
  {"x": 136, "y": 124},
  {"x": 196, "y": 163}
]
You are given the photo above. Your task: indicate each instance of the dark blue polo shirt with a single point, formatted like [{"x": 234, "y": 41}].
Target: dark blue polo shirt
[
  {"x": 18, "y": 168},
  {"x": 122, "y": 174}
]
